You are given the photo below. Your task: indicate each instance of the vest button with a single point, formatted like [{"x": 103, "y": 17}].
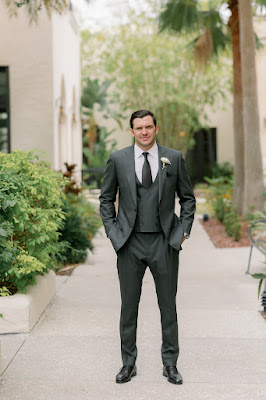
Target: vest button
[{"x": 141, "y": 223}]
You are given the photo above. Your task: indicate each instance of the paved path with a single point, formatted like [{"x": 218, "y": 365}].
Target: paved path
[{"x": 73, "y": 352}]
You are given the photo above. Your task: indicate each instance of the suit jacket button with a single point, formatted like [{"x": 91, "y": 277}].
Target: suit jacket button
[{"x": 141, "y": 224}]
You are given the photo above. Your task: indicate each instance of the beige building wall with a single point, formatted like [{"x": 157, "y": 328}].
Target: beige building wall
[
  {"x": 44, "y": 75},
  {"x": 223, "y": 120},
  {"x": 27, "y": 51},
  {"x": 260, "y": 26},
  {"x": 66, "y": 90}
]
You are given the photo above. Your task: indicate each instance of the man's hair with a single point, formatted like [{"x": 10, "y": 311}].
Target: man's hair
[{"x": 141, "y": 114}]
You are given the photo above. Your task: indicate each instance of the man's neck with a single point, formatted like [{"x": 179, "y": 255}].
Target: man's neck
[{"x": 146, "y": 148}]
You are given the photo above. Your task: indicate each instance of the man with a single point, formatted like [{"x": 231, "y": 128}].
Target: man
[{"x": 147, "y": 232}]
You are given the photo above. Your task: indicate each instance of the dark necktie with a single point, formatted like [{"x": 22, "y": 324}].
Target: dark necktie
[{"x": 146, "y": 172}]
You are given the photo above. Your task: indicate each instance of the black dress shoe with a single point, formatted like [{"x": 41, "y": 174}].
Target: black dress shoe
[
  {"x": 126, "y": 373},
  {"x": 173, "y": 375}
]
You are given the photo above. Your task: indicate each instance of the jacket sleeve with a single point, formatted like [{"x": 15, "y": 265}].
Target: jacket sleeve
[
  {"x": 108, "y": 195},
  {"x": 186, "y": 197}
]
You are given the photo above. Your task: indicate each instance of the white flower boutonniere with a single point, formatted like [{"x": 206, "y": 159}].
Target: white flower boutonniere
[{"x": 165, "y": 161}]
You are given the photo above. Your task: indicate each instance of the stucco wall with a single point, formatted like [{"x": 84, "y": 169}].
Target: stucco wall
[
  {"x": 260, "y": 26},
  {"x": 66, "y": 88},
  {"x": 223, "y": 119},
  {"x": 44, "y": 67},
  {"x": 27, "y": 50}
]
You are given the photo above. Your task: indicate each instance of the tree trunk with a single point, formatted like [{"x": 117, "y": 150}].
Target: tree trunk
[
  {"x": 253, "y": 172},
  {"x": 238, "y": 107}
]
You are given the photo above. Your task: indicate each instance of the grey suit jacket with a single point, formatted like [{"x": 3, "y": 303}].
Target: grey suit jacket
[{"x": 173, "y": 179}]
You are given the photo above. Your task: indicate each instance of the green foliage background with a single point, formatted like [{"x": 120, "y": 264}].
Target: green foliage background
[{"x": 156, "y": 71}]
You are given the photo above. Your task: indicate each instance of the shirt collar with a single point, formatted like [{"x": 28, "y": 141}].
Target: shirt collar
[{"x": 153, "y": 151}]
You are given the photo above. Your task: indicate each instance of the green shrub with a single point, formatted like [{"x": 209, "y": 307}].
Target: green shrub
[
  {"x": 220, "y": 198},
  {"x": 80, "y": 226},
  {"x": 220, "y": 195},
  {"x": 232, "y": 224},
  {"x": 224, "y": 170},
  {"x": 30, "y": 216}
]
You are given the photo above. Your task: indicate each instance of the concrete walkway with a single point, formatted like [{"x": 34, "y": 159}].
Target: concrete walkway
[{"x": 73, "y": 352}]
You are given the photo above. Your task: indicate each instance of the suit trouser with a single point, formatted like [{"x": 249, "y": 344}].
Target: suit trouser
[{"x": 142, "y": 250}]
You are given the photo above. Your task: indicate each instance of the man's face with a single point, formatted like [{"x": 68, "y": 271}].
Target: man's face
[{"x": 144, "y": 131}]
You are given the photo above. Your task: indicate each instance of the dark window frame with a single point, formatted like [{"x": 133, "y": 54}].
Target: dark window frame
[{"x": 7, "y": 105}]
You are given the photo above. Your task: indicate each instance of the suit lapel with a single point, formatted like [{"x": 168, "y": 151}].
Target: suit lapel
[
  {"x": 129, "y": 163},
  {"x": 161, "y": 172}
]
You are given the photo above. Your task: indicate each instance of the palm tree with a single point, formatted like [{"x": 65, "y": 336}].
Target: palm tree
[
  {"x": 253, "y": 186},
  {"x": 188, "y": 16},
  {"x": 33, "y": 7}
]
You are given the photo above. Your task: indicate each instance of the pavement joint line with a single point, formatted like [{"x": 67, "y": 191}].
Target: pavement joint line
[
  {"x": 2, "y": 373},
  {"x": 49, "y": 305}
]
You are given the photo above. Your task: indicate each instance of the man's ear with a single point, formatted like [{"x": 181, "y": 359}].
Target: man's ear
[
  {"x": 157, "y": 129},
  {"x": 132, "y": 133}
]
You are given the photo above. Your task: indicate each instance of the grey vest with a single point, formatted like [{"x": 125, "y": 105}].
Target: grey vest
[{"x": 147, "y": 219}]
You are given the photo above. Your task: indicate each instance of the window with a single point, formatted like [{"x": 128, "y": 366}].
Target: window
[
  {"x": 202, "y": 158},
  {"x": 4, "y": 111}
]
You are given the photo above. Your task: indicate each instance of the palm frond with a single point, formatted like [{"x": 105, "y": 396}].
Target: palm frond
[{"x": 180, "y": 15}]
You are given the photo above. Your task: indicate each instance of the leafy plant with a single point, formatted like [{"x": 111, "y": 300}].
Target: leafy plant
[
  {"x": 71, "y": 185},
  {"x": 97, "y": 145},
  {"x": 261, "y": 277},
  {"x": 232, "y": 223},
  {"x": 30, "y": 215},
  {"x": 220, "y": 195},
  {"x": 4, "y": 292},
  {"x": 220, "y": 198},
  {"x": 94, "y": 93},
  {"x": 225, "y": 169},
  {"x": 80, "y": 226},
  {"x": 34, "y": 7},
  {"x": 96, "y": 159}
]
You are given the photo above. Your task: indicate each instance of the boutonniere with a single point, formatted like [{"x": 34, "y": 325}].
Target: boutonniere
[{"x": 165, "y": 160}]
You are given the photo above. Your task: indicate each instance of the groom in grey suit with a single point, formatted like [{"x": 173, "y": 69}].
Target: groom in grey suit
[{"x": 146, "y": 232}]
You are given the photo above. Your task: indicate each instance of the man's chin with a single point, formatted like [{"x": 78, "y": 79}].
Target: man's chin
[{"x": 146, "y": 144}]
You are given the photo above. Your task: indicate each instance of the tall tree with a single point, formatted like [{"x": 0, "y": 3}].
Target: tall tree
[
  {"x": 253, "y": 182},
  {"x": 239, "y": 176},
  {"x": 33, "y": 7},
  {"x": 183, "y": 16}
]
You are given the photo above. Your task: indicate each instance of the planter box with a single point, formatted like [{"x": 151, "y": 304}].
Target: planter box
[{"x": 22, "y": 311}]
